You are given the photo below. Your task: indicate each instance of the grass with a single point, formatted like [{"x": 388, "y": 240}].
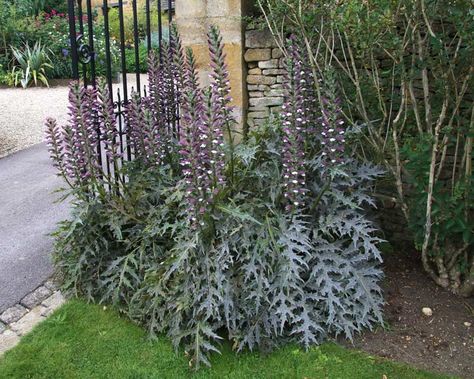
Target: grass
[{"x": 86, "y": 341}]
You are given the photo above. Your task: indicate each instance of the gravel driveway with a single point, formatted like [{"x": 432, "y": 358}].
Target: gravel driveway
[{"x": 22, "y": 113}]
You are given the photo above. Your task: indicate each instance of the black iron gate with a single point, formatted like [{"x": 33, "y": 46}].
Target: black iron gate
[{"x": 84, "y": 28}]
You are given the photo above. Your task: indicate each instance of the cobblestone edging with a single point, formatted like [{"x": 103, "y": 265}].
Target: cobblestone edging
[{"x": 35, "y": 307}]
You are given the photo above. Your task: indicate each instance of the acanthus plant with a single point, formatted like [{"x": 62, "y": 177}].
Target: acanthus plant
[{"x": 260, "y": 242}]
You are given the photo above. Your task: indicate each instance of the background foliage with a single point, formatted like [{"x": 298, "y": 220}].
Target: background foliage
[
  {"x": 406, "y": 73},
  {"x": 29, "y": 22}
]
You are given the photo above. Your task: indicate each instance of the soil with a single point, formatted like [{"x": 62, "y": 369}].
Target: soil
[{"x": 443, "y": 342}]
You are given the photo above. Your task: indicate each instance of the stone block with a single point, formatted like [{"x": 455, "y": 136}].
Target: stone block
[
  {"x": 252, "y": 55},
  {"x": 280, "y": 79},
  {"x": 276, "y": 86},
  {"x": 255, "y": 71},
  {"x": 259, "y": 114},
  {"x": 256, "y": 94},
  {"x": 34, "y": 298},
  {"x": 275, "y": 93},
  {"x": 260, "y": 79},
  {"x": 13, "y": 314},
  {"x": 51, "y": 285},
  {"x": 274, "y": 71},
  {"x": 252, "y": 64},
  {"x": 259, "y": 38},
  {"x": 252, "y": 87},
  {"x": 54, "y": 301},
  {"x": 28, "y": 321},
  {"x": 258, "y": 109},
  {"x": 265, "y": 101},
  {"x": 259, "y": 121},
  {"x": 263, "y": 87},
  {"x": 276, "y": 110},
  {"x": 270, "y": 63},
  {"x": 277, "y": 53},
  {"x": 8, "y": 339}
]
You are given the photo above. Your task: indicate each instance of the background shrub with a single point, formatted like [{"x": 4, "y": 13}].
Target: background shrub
[{"x": 407, "y": 75}]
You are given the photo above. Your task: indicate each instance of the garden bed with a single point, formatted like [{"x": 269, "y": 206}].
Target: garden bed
[{"x": 442, "y": 342}]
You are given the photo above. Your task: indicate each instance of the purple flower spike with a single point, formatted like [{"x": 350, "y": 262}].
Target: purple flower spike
[
  {"x": 332, "y": 125},
  {"x": 55, "y": 143},
  {"x": 80, "y": 135},
  {"x": 108, "y": 123},
  {"x": 144, "y": 130},
  {"x": 194, "y": 142},
  {"x": 166, "y": 80},
  {"x": 295, "y": 124},
  {"x": 220, "y": 113}
]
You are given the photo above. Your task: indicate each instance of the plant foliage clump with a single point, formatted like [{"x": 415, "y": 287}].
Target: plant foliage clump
[{"x": 203, "y": 238}]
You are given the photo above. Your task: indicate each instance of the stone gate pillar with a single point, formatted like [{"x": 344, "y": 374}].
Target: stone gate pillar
[{"x": 194, "y": 17}]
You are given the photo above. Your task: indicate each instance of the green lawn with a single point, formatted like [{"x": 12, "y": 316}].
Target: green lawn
[{"x": 86, "y": 341}]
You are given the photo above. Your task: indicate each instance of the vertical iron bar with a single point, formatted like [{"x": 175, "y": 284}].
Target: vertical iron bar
[
  {"x": 108, "y": 60},
  {"x": 124, "y": 84},
  {"x": 160, "y": 28},
  {"x": 148, "y": 27},
  {"x": 72, "y": 39},
  {"x": 81, "y": 31},
  {"x": 136, "y": 43},
  {"x": 122, "y": 51},
  {"x": 90, "y": 31},
  {"x": 170, "y": 15},
  {"x": 119, "y": 115}
]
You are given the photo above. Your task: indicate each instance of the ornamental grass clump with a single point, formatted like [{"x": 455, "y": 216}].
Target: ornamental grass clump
[{"x": 258, "y": 242}]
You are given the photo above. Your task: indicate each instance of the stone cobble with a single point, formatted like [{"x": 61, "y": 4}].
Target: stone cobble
[
  {"x": 13, "y": 314},
  {"x": 35, "y": 307},
  {"x": 35, "y": 297}
]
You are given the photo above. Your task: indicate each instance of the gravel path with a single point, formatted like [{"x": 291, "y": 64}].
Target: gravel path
[{"x": 22, "y": 113}]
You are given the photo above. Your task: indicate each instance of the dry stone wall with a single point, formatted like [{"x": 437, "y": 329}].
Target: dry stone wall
[{"x": 265, "y": 76}]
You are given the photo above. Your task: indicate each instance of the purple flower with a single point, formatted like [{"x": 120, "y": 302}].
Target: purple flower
[
  {"x": 74, "y": 149},
  {"x": 153, "y": 120},
  {"x": 295, "y": 119},
  {"x": 193, "y": 143},
  {"x": 54, "y": 141},
  {"x": 219, "y": 116},
  {"x": 144, "y": 130},
  {"x": 205, "y": 116},
  {"x": 108, "y": 123},
  {"x": 332, "y": 125},
  {"x": 65, "y": 52}
]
